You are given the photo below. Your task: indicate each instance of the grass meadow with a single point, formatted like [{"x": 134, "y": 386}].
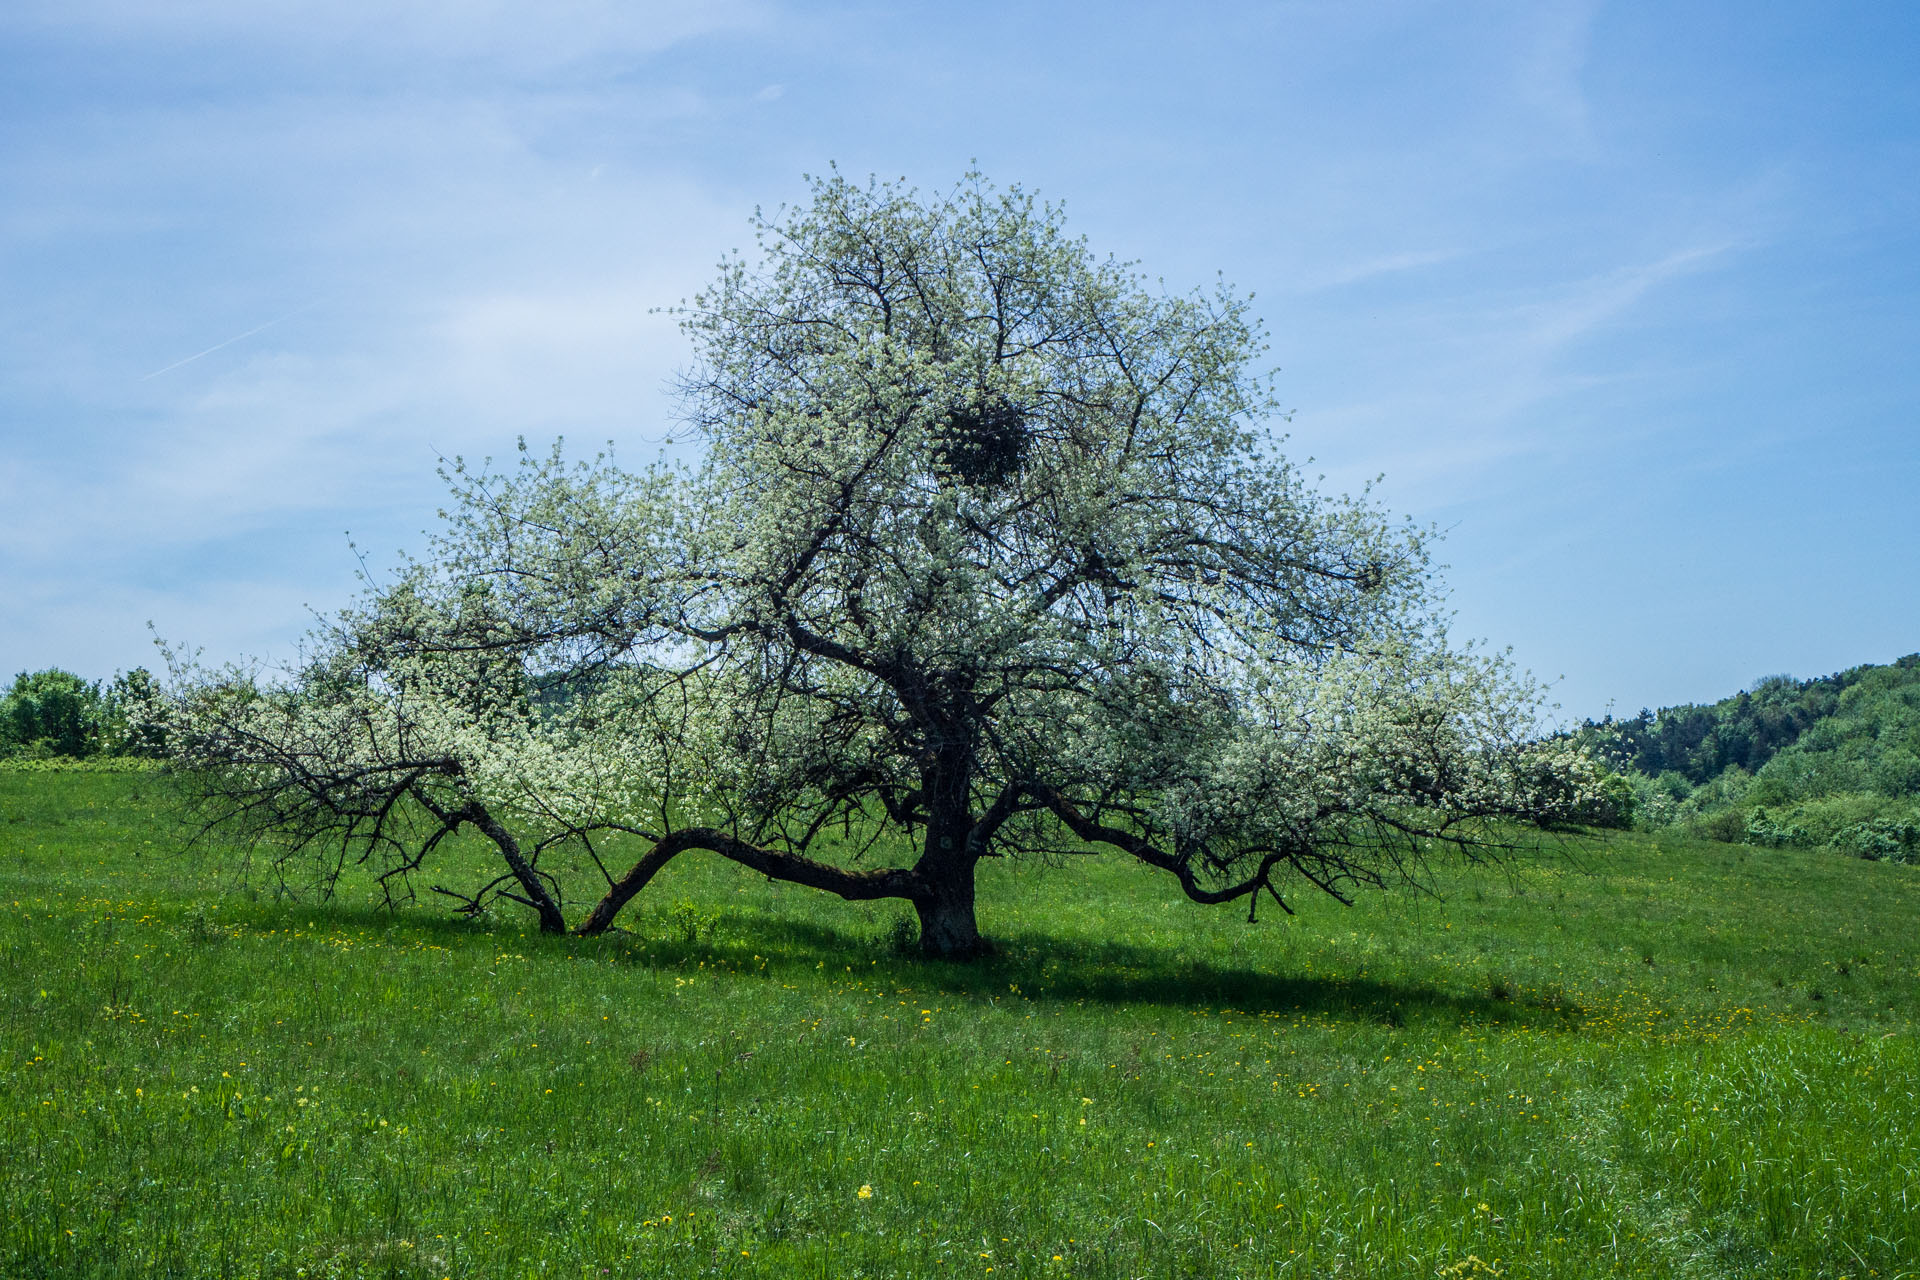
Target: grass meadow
[{"x": 1628, "y": 1056}]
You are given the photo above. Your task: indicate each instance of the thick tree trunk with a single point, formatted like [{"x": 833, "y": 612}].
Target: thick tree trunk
[
  {"x": 948, "y": 930},
  {"x": 943, "y": 894}
]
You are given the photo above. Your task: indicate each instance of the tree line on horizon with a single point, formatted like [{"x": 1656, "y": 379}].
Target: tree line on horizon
[{"x": 54, "y": 714}]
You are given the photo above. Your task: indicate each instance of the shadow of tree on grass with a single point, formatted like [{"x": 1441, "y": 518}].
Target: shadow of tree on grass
[
  {"x": 1033, "y": 966},
  {"x": 1049, "y": 969}
]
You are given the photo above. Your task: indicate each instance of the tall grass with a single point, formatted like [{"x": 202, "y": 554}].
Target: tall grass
[{"x": 1631, "y": 1057}]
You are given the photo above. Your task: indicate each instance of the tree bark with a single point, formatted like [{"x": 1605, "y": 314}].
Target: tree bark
[
  {"x": 600, "y": 919},
  {"x": 944, "y": 895},
  {"x": 948, "y": 929},
  {"x": 854, "y": 886},
  {"x": 943, "y": 889},
  {"x": 537, "y": 897}
]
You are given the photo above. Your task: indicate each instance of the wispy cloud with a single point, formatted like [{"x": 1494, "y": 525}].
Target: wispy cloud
[
  {"x": 1463, "y": 380},
  {"x": 1550, "y": 325},
  {"x": 480, "y": 35},
  {"x": 221, "y": 346},
  {"x": 1367, "y": 269}
]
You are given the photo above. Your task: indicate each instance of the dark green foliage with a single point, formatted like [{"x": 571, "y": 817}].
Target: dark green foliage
[
  {"x": 55, "y": 714},
  {"x": 1885, "y": 838},
  {"x": 50, "y": 713},
  {"x": 1828, "y": 762},
  {"x": 984, "y": 443},
  {"x": 1700, "y": 743}
]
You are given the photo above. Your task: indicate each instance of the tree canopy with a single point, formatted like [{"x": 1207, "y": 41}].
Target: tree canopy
[{"x": 987, "y": 553}]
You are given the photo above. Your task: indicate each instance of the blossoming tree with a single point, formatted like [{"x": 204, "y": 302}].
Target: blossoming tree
[{"x": 986, "y": 554}]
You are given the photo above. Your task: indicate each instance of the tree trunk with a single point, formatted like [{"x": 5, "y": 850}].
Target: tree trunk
[
  {"x": 948, "y": 930},
  {"x": 944, "y": 899},
  {"x": 944, "y": 896},
  {"x": 600, "y": 919}
]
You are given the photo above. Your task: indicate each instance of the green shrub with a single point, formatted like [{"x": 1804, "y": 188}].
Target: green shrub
[
  {"x": 1615, "y": 805},
  {"x": 1726, "y": 825},
  {"x": 1773, "y": 832},
  {"x": 1883, "y": 838},
  {"x": 1865, "y": 825}
]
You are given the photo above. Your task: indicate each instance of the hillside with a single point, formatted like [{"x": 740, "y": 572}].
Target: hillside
[{"x": 1829, "y": 762}]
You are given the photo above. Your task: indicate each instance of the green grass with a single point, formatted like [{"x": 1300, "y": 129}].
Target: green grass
[{"x": 1630, "y": 1057}]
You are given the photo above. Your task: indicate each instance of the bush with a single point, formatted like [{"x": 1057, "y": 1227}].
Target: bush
[
  {"x": 1770, "y": 832},
  {"x": 55, "y": 715},
  {"x": 1883, "y": 838},
  {"x": 1614, "y": 805},
  {"x": 1865, "y": 825},
  {"x": 1728, "y": 826},
  {"x": 133, "y": 716}
]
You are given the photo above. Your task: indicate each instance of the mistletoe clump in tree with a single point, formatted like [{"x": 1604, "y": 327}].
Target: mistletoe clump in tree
[{"x": 986, "y": 555}]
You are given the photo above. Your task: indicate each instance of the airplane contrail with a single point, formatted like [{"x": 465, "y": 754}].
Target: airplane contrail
[{"x": 230, "y": 341}]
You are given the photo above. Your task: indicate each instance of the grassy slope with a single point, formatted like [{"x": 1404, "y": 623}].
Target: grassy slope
[{"x": 1615, "y": 1068}]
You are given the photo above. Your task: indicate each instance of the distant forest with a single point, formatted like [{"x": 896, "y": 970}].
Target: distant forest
[{"x": 1832, "y": 761}]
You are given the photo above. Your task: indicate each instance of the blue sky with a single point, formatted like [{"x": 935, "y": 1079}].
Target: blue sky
[{"x": 1624, "y": 297}]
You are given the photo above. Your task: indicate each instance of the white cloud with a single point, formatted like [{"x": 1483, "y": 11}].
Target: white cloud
[
  {"x": 1459, "y": 383},
  {"x": 1367, "y": 269},
  {"x": 498, "y": 35},
  {"x": 1551, "y": 63}
]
